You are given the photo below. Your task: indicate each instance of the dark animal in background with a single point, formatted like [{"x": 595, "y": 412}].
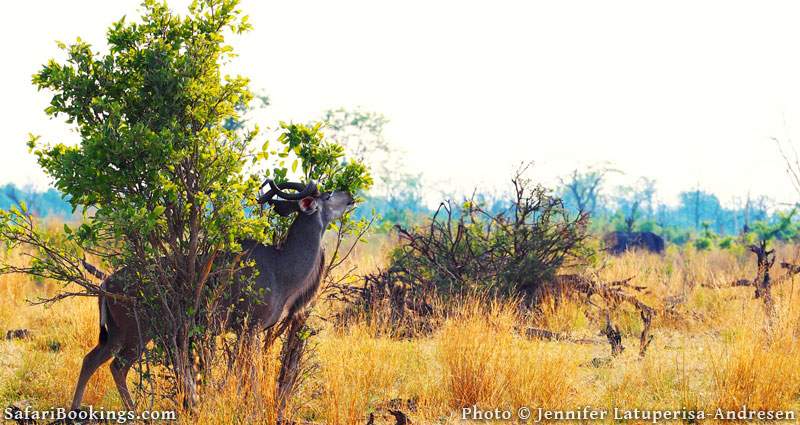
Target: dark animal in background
[{"x": 619, "y": 242}]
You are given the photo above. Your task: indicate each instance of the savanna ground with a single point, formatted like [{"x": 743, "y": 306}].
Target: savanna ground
[{"x": 716, "y": 349}]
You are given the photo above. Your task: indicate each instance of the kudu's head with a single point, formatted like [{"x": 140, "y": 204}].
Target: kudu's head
[{"x": 307, "y": 201}]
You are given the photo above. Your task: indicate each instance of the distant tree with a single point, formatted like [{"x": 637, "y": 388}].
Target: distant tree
[
  {"x": 632, "y": 199},
  {"x": 781, "y": 227},
  {"x": 582, "y": 190},
  {"x": 647, "y": 191},
  {"x": 360, "y": 132},
  {"x": 38, "y": 203},
  {"x": 696, "y": 206}
]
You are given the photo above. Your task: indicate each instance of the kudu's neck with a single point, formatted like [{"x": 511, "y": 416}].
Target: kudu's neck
[{"x": 302, "y": 246}]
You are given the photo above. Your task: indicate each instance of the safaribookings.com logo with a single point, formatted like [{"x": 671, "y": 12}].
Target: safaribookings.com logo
[
  {"x": 78, "y": 416},
  {"x": 589, "y": 413}
]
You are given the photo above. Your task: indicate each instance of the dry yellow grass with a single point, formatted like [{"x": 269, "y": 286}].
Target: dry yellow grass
[
  {"x": 719, "y": 350},
  {"x": 486, "y": 364}
]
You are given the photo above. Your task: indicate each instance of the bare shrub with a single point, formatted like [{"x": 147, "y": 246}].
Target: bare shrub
[{"x": 510, "y": 250}]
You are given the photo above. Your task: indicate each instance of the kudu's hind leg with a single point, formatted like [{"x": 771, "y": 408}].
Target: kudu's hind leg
[
  {"x": 99, "y": 355},
  {"x": 119, "y": 371}
]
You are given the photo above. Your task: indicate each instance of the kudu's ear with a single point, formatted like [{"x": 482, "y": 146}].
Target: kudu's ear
[
  {"x": 308, "y": 205},
  {"x": 285, "y": 208}
]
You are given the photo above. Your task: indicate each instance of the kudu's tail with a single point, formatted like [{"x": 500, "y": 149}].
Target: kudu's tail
[
  {"x": 101, "y": 300},
  {"x": 103, "y": 318}
]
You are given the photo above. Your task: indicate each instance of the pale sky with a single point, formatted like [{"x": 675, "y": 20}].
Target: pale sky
[{"x": 687, "y": 93}]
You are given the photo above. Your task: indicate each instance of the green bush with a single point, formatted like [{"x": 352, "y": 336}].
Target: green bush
[{"x": 703, "y": 244}]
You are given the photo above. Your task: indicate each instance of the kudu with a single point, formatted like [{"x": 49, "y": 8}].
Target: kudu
[{"x": 288, "y": 277}]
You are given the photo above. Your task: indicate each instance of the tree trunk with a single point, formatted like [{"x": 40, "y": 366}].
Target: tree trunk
[
  {"x": 292, "y": 353},
  {"x": 184, "y": 370}
]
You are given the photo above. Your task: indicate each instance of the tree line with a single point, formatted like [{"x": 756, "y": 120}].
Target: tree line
[{"x": 699, "y": 216}]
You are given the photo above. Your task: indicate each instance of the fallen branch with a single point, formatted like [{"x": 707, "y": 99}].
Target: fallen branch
[
  {"x": 645, "y": 339},
  {"x": 614, "y": 336},
  {"x": 546, "y": 335},
  {"x": 742, "y": 282},
  {"x": 613, "y": 293},
  {"x": 791, "y": 270}
]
